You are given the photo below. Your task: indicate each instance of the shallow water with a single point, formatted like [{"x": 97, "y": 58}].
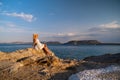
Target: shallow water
[{"x": 72, "y": 52}]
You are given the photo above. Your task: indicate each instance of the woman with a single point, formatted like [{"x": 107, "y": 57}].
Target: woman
[{"x": 39, "y": 46}]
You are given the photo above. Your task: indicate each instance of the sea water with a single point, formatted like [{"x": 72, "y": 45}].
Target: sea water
[{"x": 69, "y": 52}]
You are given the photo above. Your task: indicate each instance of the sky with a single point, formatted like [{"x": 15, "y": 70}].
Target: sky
[{"x": 60, "y": 20}]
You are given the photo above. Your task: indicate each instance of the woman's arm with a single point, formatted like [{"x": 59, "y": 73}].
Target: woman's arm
[{"x": 34, "y": 43}]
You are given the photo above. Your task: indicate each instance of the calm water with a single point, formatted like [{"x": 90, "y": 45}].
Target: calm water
[{"x": 72, "y": 52}]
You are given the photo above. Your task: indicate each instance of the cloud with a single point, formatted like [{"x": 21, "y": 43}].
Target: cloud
[
  {"x": 56, "y": 34},
  {"x": 64, "y": 37},
  {"x": 113, "y": 24},
  {"x": 10, "y": 24},
  {"x": 66, "y": 34},
  {"x": 22, "y": 15},
  {"x": 11, "y": 27},
  {"x": 106, "y": 32}
]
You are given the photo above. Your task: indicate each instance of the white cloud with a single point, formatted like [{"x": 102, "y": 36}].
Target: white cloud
[
  {"x": 106, "y": 32},
  {"x": 108, "y": 27},
  {"x": 15, "y": 29},
  {"x": 56, "y": 34},
  {"x": 22, "y": 15},
  {"x": 113, "y": 24},
  {"x": 66, "y": 34},
  {"x": 10, "y": 25},
  {"x": 18, "y": 30}
]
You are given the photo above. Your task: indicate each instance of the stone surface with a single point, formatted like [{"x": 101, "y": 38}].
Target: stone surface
[
  {"x": 108, "y": 73},
  {"x": 29, "y": 64},
  {"x": 107, "y": 58}
]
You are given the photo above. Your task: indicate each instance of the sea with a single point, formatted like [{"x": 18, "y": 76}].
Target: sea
[{"x": 69, "y": 52}]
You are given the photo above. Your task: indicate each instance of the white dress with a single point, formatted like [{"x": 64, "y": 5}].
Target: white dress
[{"x": 39, "y": 45}]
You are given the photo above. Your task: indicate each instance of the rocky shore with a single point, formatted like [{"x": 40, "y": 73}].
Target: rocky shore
[{"x": 29, "y": 64}]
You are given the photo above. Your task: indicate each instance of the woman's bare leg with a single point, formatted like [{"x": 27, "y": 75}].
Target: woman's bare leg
[{"x": 46, "y": 50}]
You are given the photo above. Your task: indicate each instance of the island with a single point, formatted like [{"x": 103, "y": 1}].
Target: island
[
  {"x": 88, "y": 42},
  {"x": 83, "y": 42},
  {"x": 71, "y": 42}
]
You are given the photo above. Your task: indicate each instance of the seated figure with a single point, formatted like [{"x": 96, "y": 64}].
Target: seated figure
[{"x": 40, "y": 46}]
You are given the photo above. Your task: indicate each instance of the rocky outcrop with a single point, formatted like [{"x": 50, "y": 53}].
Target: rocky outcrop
[
  {"x": 108, "y": 73},
  {"x": 107, "y": 58},
  {"x": 108, "y": 69},
  {"x": 29, "y": 64}
]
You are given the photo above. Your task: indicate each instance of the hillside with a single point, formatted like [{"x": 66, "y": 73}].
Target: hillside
[
  {"x": 52, "y": 43},
  {"x": 72, "y": 43},
  {"x": 83, "y": 42}
]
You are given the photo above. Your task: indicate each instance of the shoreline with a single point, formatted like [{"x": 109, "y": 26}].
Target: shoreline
[
  {"x": 71, "y": 52},
  {"x": 29, "y": 64}
]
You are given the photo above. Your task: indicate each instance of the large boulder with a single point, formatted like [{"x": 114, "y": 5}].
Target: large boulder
[{"x": 107, "y": 58}]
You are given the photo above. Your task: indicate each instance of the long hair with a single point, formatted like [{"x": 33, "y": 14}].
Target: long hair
[{"x": 35, "y": 36}]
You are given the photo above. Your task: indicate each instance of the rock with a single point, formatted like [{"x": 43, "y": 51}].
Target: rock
[
  {"x": 97, "y": 74},
  {"x": 49, "y": 60},
  {"x": 43, "y": 71},
  {"x": 29, "y": 64},
  {"x": 107, "y": 58},
  {"x": 15, "y": 67},
  {"x": 22, "y": 64}
]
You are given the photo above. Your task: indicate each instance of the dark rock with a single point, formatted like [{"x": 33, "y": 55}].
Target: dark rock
[
  {"x": 107, "y": 58},
  {"x": 19, "y": 60}
]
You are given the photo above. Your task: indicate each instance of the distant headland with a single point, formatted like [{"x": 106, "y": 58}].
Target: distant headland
[
  {"x": 88, "y": 42},
  {"x": 72, "y": 42}
]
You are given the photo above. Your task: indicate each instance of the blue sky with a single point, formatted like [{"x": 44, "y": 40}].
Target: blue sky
[{"x": 60, "y": 20}]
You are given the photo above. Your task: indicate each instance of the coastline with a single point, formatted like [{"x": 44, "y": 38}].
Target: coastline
[{"x": 29, "y": 64}]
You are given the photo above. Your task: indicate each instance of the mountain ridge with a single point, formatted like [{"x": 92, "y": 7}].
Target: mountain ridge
[{"x": 71, "y": 42}]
